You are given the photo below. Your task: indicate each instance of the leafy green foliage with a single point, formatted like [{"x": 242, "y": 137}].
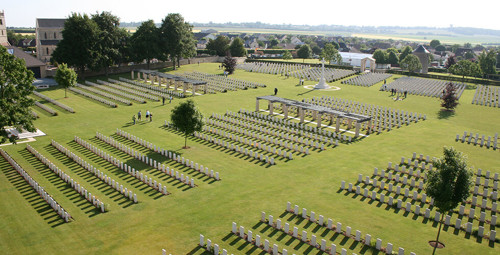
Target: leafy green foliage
[
  {"x": 449, "y": 98},
  {"x": 411, "y": 63},
  {"x": 450, "y": 62},
  {"x": 304, "y": 51},
  {"x": 15, "y": 86},
  {"x": 287, "y": 55},
  {"x": 229, "y": 64},
  {"x": 393, "y": 58},
  {"x": 109, "y": 38},
  {"x": 65, "y": 77},
  {"x": 237, "y": 48},
  {"x": 176, "y": 38},
  {"x": 466, "y": 68},
  {"x": 145, "y": 42},
  {"x": 187, "y": 119},
  {"x": 331, "y": 54},
  {"x": 220, "y": 45},
  {"x": 380, "y": 56},
  {"x": 434, "y": 43},
  {"x": 405, "y": 52},
  {"x": 440, "y": 48},
  {"x": 488, "y": 61}
]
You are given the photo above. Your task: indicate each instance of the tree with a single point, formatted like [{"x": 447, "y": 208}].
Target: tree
[
  {"x": 405, "y": 52},
  {"x": 220, "y": 45},
  {"x": 455, "y": 47},
  {"x": 469, "y": 55},
  {"x": 392, "y": 58},
  {"x": 304, "y": 52},
  {"x": 380, "y": 56},
  {"x": 466, "y": 68},
  {"x": 274, "y": 42},
  {"x": 411, "y": 63},
  {"x": 331, "y": 54},
  {"x": 449, "y": 183},
  {"x": 468, "y": 45},
  {"x": 449, "y": 98},
  {"x": 15, "y": 86},
  {"x": 107, "y": 51},
  {"x": 65, "y": 77},
  {"x": 237, "y": 48},
  {"x": 229, "y": 64},
  {"x": 487, "y": 62},
  {"x": 145, "y": 42},
  {"x": 498, "y": 60},
  {"x": 187, "y": 119},
  {"x": 440, "y": 48},
  {"x": 77, "y": 48},
  {"x": 316, "y": 49},
  {"x": 450, "y": 62},
  {"x": 176, "y": 38},
  {"x": 287, "y": 55},
  {"x": 434, "y": 43},
  {"x": 335, "y": 44}
]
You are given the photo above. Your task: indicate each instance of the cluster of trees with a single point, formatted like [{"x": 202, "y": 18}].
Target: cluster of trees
[
  {"x": 97, "y": 42},
  {"x": 222, "y": 46},
  {"x": 389, "y": 56},
  {"x": 14, "y": 38},
  {"x": 486, "y": 64}
]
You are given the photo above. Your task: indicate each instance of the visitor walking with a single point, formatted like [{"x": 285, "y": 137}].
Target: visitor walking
[
  {"x": 406, "y": 92},
  {"x": 147, "y": 114},
  {"x": 275, "y": 91},
  {"x": 150, "y": 117},
  {"x": 139, "y": 115},
  {"x": 169, "y": 99},
  {"x": 163, "y": 99},
  {"x": 133, "y": 118}
]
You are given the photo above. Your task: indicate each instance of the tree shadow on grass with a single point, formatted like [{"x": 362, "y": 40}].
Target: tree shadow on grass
[{"x": 445, "y": 114}]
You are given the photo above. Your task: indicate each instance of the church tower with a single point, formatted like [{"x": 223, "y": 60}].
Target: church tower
[{"x": 3, "y": 30}]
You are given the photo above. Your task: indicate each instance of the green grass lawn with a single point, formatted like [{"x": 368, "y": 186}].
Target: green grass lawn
[{"x": 174, "y": 222}]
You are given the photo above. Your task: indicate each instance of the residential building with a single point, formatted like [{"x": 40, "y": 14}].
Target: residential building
[
  {"x": 36, "y": 66},
  {"x": 48, "y": 35}
]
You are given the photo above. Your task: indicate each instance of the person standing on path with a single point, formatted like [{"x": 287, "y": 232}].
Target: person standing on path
[
  {"x": 275, "y": 91},
  {"x": 139, "y": 116}
]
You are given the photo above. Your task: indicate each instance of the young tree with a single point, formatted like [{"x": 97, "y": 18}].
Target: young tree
[
  {"x": 237, "y": 48},
  {"x": 287, "y": 55},
  {"x": 77, "y": 48},
  {"x": 220, "y": 45},
  {"x": 187, "y": 119},
  {"x": 304, "y": 52},
  {"x": 65, "y": 77},
  {"x": 145, "y": 44},
  {"x": 487, "y": 62},
  {"x": 330, "y": 54},
  {"x": 434, "y": 43},
  {"x": 449, "y": 98},
  {"x": 229, "y": 64},
  {"x": 449, "y": 183},
  {"x": 411, "y": 63},
  {"x": 15, "y": 86}
]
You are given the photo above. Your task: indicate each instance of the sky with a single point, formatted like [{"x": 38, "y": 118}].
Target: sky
[{"x": 431, "y": 13}]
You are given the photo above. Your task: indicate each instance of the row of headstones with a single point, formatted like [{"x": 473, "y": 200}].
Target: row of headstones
[
  {"x": 289, "y": 127},
  {"x": 216, "y": 250},
  {"x": 130, "y": 89},
  {"x": 220, "y": 83},
  {"x": 55, "y": 102},
  {"x": 170, "y": 155},
  {"x": 39, "y": 189},
  {"x": 164, "y": 90},
  {"x": 257, "y": 241},
  {"x": 487, "y": 96},
  {"x": 148, "y": 161},
  {"x": 239, "y": 149},
  {"x": 427, "y": 213},
  {"x": 124, "y": 167},
  {"x": 138, "y": 88},
  {"x": 66, "y": 178},
  {"x": 104, "y": 93},
  {"x": 481, "y": 141},
  {"x": 330, "y": 74},
  {"x": 134, "y": 94},
  {"x": 287, "y": 136},
  {"x": 222, "y": 78},
  {"x": 424, "y": 87},
  {"x": 329, "y": 225},
  {"x": 114, "y": 91},
  {"x": 96, "y": 172},
  {"x": 486, "y": 182},
  {"x": 271, "y": 68},
  {"x": 46, "y": 108},
  {"x": 367, "y": 79},
  {"x": 404, "y": 180},
  {"x": 93, "y": 97},
  {"x": 258, "y": 145},
  {"x": 415, "y": 175}
]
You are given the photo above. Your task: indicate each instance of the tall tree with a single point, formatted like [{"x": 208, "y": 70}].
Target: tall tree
[
  {"x": 187, "y": 119},
  {"x": 449, "y": 99},
  {"x": 145, "y": 42},
  {"x": 77, "y": 48},
  {"x": 411, "y": 63},
  {"x": 330, "y": 54},
  {"x": 466, "y": 68},
  {"x": 392, "y": 58},
  {"x": 65, "y": 77},
  {"x": 434, "y": 43},
  {"x": 380, "y": 56},
  {"x": 229, "y": 64},
  {"x": 220, "y": 45},
  {"x": 488, "y": 62},
  {"x": 15, "y": 86},
  {"x": 405, "y": 52},
  {"x": 176, "y": 37},
  {"x": 237, "y": 48},
  {"x": 287, "y": 55},
  {"x": 107, "y": 50},
  {"x": 304, "y": 52},
  {"x": 449, "y": 183}
]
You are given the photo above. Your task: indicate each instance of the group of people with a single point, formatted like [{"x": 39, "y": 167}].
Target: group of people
[
  {"x": 149, "y": 116},
  {"x": 169, "y": 99},
  {"x": 398, "y": 93}
]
